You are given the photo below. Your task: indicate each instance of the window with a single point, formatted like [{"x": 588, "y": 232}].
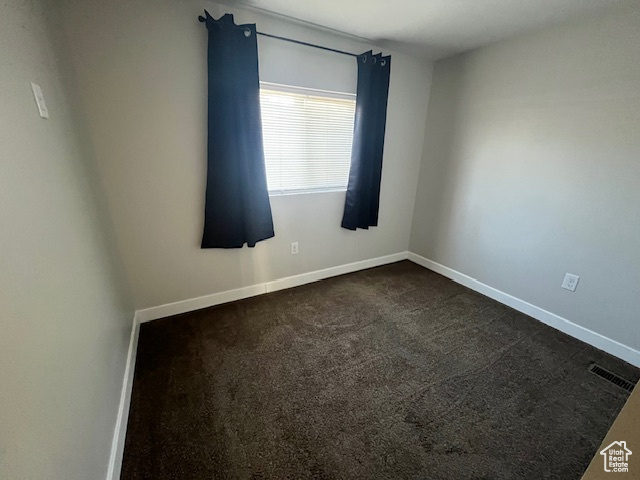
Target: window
[{"x": 307, "y": 138}]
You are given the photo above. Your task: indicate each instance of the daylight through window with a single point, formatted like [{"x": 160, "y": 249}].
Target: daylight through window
[{"x": 307, "y": 138}]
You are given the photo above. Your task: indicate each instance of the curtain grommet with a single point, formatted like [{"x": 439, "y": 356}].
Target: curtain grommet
[{"x": 247, "y": 32}]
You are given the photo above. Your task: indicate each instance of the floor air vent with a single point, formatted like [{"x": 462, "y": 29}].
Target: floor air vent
[{"x": 611, "y": 377}]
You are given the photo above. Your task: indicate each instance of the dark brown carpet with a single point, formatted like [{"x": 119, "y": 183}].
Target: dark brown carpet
[{"x": 390, "y": 373}]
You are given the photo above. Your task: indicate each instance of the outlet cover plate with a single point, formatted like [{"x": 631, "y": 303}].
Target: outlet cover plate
[{"x": 570, "y": 282}]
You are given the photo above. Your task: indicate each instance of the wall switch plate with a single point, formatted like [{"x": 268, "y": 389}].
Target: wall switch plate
[
  {"x": 294, "y": 248},
  {"x": 37, "y": 94},
  {"x": 570, "y": 282}
]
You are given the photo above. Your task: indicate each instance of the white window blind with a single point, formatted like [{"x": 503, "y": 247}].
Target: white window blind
[{"x": 307, "y": 138}]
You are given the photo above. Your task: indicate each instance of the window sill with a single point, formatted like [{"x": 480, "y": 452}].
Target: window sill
[{"x": 289, "y": 193}]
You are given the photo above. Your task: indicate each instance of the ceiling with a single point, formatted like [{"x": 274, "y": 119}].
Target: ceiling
[{"x": 432, "y": 28}]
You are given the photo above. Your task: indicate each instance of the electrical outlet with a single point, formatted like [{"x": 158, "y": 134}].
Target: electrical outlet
[
  {"x": 294, "y": 248},
  {"x": 570, "y": 282}
]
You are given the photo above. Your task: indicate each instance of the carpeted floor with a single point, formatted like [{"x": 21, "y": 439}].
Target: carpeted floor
[{"x": 390, "y": 373}]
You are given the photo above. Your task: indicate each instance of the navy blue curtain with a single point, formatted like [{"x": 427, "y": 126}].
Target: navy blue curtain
[
  {"x": 237, "y": 209},
  {"x": 363, "y": 193}
]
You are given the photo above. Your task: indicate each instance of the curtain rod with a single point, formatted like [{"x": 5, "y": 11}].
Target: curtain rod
[
  {"x": 299, "y": 42},
  {"x": 306, "y": 44}
]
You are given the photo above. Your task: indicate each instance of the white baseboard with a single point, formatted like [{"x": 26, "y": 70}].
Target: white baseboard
[
  {"x": 120, "y": 431},
  {"x": 304, "y": 278},
  {"x": 595, "y": 339},
  {"x": 189, "y": 305}
]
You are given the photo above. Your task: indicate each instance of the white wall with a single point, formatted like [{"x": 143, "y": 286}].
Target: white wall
[
  {"x": 141, "y": 71},
  {"x": 64, "y": 318},
  {"x": 531, "y": 168}
]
